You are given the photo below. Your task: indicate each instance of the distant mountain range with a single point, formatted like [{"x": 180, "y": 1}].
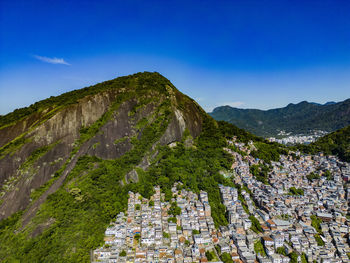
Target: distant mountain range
[{"x": 303, "y": 117}]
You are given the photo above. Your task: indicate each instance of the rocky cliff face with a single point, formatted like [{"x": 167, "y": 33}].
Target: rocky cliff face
[{"x": 38, "y": 151}]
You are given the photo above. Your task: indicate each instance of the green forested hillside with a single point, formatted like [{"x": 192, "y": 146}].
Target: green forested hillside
[
  {"x": 72, "y": 219},
  {"x": 296, "y": 118},
  {"x": 335, "y": 143},
  {"x": 265, "y": 150},
  {"x": 80, "y": 210}
]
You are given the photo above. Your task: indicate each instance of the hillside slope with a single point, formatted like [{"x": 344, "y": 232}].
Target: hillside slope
[
  {"x": 100, "y": 121},
  {"x": 68, "y": 162},
  {"x": 296, "y": 118},
  {"x": 335, "y": 143}
]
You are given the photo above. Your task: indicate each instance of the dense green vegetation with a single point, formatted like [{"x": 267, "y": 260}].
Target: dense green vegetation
[
  {"x": 228, "y": 130},
  {"x": 295, "y": 191},
  {"x": 256, "y": 227},
  {"x": 172, "y": 219},
  {"x": 259, "y": 248},
  {"x": 137, "y": 237},
  {"x": 209, "y": 255},
  {"x": 226, "y": 258},
  {"x": 195, "y": 232},
  {"x": 281, "y": 251},
  {"x": 296, "y": 118},
  {"x": 328, "y": 175},
  {"x": 196, "y": 167},
  {"x": 80, "y": 210},
  {"x": 319, "y": 240},
  {"x": 174, "y": 209},
  {"x": 265, "y": 150},
  {"x": 293, "y": 257},
  {"x": 241, "y": 198},
  {"x": 261, "y": 172},
  {"x": 269, "y": 151},
  {"x": 303, "y": 258},
  {"x": 312, "y": 176},
  {"x": 336, "y": 143},
  {"x": 316, "y": 223},
  {"x": 92, "y": 195},
  {"x": 72, "y": 221}
]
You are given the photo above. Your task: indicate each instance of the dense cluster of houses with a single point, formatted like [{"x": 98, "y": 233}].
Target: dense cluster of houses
[
  {"x": 243, "y": 239},
  {"x": 287, "y": 219},
  {"x": 147, "y": 232},
  {"x": 267, "y": 223}
]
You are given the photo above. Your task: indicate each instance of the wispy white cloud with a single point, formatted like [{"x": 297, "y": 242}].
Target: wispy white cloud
[
  {"x": 52, "y": 60},
  {"x": 233, "y": 104}
]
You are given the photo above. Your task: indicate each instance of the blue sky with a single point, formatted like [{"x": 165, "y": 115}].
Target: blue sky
[{"x": 245, "y": 53}]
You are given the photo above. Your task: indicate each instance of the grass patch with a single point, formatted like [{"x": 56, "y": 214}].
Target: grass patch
[{"x": 259, "y": 248}]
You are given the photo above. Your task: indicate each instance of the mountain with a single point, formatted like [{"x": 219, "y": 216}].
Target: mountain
[
  {"x": 335, "y": 143},
  {"x": 47, "y": 139},
  {"x": 68, "y": 162},
  {"x": 303, "y": 117},
  {"x": 330, "y": 103}
]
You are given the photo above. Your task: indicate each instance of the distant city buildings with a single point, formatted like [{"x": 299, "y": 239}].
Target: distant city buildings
[{"x": 289, "y": 139}]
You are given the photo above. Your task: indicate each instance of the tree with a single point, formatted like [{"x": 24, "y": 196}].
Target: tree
[
  {"x": 137, "y": 237},
  {"x": 122, "y": 254},
  {"x": 174, "y": 209},
  {"x": 328, "y": 175},
  {"x": 296, "y": 191},
  {"x": 259, "y": 248},
  {"x": 316, "y": 223},
  {"x": 226, "y": 258},
  {"x": 172, "y": 219},
  {"x": 281, "y": 251},
  {"x": 312, "y": 176},
  {"x": 293, "y": 257},
  {"x": 256, "y": 227},
  {"x": 209, "y": 256},
  {"x": 195, "y": 232},
  {"x": 303, "y": 258},
  {"x": 319, "y": 240}
]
